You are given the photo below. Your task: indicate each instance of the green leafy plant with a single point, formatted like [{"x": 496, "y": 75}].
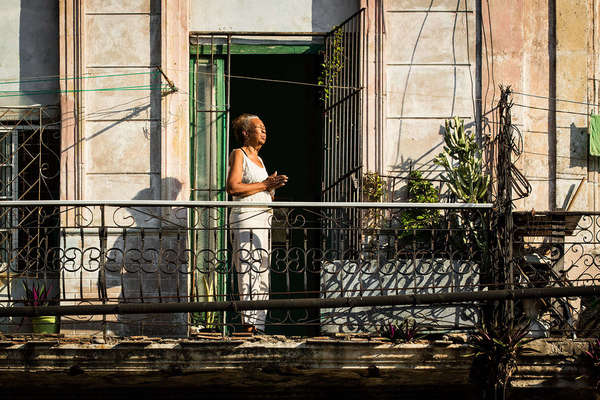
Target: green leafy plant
[
  {"x": 463, "y": 172},
  {"x": 211, "y": 316},
  {"x": 374, "y": 190},
  {"x": 332, "y": 64},
  {"x": 462, "y": 163},
  {"x": 36, "y": 295},
  {"x": 497, "y": 348},
  {"x": 206, "y": 319},
  {"x": 373, "y": 187},
  {"x": 405, "y": 332},
  {"x": 416, "y": 224}
]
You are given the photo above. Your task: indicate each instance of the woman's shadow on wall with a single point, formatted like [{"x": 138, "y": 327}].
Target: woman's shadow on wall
[{"x": 148, "y": 263}]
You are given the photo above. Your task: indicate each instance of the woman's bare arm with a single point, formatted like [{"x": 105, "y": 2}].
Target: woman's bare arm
[{"x": 235, "y": 187}]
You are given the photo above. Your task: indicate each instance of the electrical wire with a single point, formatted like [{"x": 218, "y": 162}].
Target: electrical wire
[
  {"x": 58, "y": 78},
  {"x": 35, "y": 79},
  {"x": 547, "y": 109},
  {"x": 17, "y": 93},
  {"x": 556, "y": 99}
]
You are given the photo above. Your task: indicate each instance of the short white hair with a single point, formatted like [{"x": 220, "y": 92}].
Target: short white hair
[{"x": 242, "y": 123}]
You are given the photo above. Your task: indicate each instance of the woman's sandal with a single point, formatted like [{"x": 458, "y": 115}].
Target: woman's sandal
[{"x": 249, "y": 328}]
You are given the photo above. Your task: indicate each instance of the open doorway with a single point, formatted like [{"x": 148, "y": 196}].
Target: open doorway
[{"x": 292, "y": 114}]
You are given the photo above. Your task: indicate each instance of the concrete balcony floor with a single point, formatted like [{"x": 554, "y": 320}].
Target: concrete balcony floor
[{"x": 273, "y": 367}]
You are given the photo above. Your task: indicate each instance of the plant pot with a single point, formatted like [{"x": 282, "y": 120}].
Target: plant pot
[{"x": 44, "y": 324}]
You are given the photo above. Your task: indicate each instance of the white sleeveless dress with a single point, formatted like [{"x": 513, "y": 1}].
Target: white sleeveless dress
[{"x": 251, "y": 244}]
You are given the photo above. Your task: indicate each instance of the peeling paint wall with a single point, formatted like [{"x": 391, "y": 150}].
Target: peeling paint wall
[
  {"x": 429, "y": 56},
  {"x": 122, "y": 43},
  {"x": 124, "y": 138},
  {"x": 522, "y": 58}
]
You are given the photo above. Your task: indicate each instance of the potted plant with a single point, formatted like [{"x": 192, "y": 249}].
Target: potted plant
[
  {"x": 38, "y": 296},
  {"x": 417, "y": 224}
]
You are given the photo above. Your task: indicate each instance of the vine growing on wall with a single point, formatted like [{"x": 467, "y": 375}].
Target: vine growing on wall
[
  {"x": 333, "y": 63},
  {"x": 373, "y": 187},
  {"x": 374, "y": 190}
]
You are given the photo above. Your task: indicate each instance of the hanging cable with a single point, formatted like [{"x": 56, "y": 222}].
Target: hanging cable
[
  {"x": 52, "y": 78},
  {"x": 16, "y": 93},
  {"x": 557, "y": 99},
  {"x": 547, "y": 109}
]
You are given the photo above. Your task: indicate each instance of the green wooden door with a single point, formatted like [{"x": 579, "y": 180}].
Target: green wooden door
[{"x": 208, "y": 169}]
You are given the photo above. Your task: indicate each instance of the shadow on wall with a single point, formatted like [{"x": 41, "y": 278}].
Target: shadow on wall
[
  {"x": 328, "y": 13},
  {"x": 148, "y": 263},
  {"x": 38, "y": 52},
  {"x": 424, "y": 160},
  {"x": 137, "y": 113},
  {"x": 578, "y": 158}
]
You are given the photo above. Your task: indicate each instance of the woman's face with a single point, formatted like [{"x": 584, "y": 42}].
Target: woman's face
[{"x": 257, "y": 133}]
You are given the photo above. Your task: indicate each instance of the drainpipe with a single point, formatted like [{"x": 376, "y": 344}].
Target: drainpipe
[
  {"x": 552, "y": 103},
  {"x": 478, "y": 68}
]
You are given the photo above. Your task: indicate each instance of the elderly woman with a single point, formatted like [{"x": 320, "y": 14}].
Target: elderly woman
[{"x": 248, "y": 181}]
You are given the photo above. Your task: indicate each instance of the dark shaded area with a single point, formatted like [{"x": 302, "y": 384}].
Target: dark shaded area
[
  {"x": 326, "y": 14},
  {"x": 155, "y": 101},
  {"x": 39, "y": 51},
  {"x": 292, "y": 116},
  {"x": 274, "y": 387}
]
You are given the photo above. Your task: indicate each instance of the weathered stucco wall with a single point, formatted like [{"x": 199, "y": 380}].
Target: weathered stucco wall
[
  {"x": 269, "y": 15},
  {"x": 29, "y": 48},
  {"x": 429, "y": 77},
  {"x": 123, "y": 44},
  {"x": 522, "y": 58},
  {"x": 124, "y": 136},
  {"x": 429, "y": 67}
]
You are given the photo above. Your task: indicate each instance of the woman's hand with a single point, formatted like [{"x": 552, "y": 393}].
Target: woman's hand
[{"x": 275, "y": 181}]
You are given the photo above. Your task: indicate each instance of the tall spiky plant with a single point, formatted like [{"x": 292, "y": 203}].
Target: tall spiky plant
[{"x": 463, "y": 166}]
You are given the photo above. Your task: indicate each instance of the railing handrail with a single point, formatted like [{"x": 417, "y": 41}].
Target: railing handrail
[{"x": 277, "y": 204}]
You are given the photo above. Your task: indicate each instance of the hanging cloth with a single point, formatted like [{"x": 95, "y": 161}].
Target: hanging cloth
[{"x": 594, "y": 135}]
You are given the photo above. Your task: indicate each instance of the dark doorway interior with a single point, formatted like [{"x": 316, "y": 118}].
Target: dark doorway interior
[{"x": 292, "y": 116}]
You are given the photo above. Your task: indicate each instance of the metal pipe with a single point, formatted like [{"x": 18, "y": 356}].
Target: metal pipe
[
  {"x": 212, "y": 119},
  {"x": 570, "y": 204},
  {"x": 478, "y": 70},
  {"x": 552, "y": 102},
  {"x": 367, "y": 301},
  {"x": 278, "y": 204},
  {"x": 251, "y": 33}
]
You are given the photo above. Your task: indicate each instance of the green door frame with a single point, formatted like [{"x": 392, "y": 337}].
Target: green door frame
[
  {"x": 218, "y": 54},
  {"x": 211, "y": 285}
]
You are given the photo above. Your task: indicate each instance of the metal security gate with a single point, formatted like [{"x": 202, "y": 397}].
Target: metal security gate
[{"x": 343, "y": 80}]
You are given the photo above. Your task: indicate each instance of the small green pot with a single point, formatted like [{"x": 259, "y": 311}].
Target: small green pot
[{"x": 44, "y": 324}]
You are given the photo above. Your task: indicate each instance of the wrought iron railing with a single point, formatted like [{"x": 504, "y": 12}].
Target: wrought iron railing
[
  {"x": 558, "y": 250},
  {"x": 160, "y": 253}
]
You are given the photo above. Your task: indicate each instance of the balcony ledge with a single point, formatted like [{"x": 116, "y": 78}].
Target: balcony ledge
[{"x": 236, "y": 362}]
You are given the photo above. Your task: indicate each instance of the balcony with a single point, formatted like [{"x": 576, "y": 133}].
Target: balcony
[
  {"x": 150, "y": 286},
  {"x": 157, "y": 254}
]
